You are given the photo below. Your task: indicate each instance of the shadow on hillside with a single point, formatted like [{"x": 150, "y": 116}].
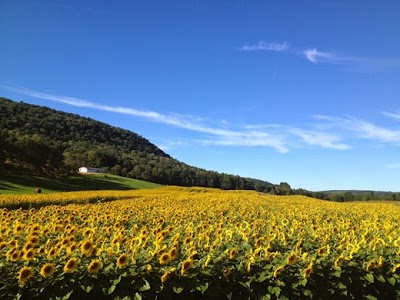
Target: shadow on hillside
[
  {"x": 73, "y": 183},
  {"x": 5, "y": 186}
]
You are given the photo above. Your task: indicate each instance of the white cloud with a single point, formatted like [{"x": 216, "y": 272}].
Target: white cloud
[
  {"x": 322, "y": 139},
  {"x": 262, "y": 45},
  {"x": 330, "y": 133},
  {"x": 372, "y": 131},
  {"x": 315, "y": 56},
  {"x": 364, "y": 129},
  {"x": 250, "y": 139},
  {"x": 219, "y": 135},
  {"x": 392, "y": 115}
]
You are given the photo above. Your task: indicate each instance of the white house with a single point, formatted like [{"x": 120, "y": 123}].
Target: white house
[{"x": 90, "y": 170}]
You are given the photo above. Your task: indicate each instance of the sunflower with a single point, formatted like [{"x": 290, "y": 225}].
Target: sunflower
[
  {"x": 72, "y": 248},
  {"x": 164, "y": 258},
  {"x": 87, "y": 232},
  {"x": 167, "y": 274},
  {"x": 33, "y": 239},
  {"x": 173, "y": 252},
  {"x": 278, "y": 271},
  {"x": 24, "y": 275},
  {"x": 337, "y": 262},
  {"x": 232, "y": 253},
  {"x": 52, "y": 252},
  {"x": 122, "y": 260},
  {"x": 322, "y": 251},
  {"x": 13, "y": 254},
  {"x": 29, "y": 245},
  {"x": 372, "y": 264},
  {"x": 35, "y": 228},
  {"x": 226, "y": 272},
  {"x": 95, "y": 266},
  {"x": 87, "y": 247},
  {"x": 71, "y": 265},
  {"x": 307, "y": 271},
  {"x": 396, "y": 269},
  {"x": 29, "y": 254},
  {"x": 47, "y": 270},
  {"x": 3, "y": 245},
  {"x": 187, "y": 240},
  {"x": 186, "y": 265},
  {"x": 18, "y": 229},
  {"x": 291, "y": 259}
]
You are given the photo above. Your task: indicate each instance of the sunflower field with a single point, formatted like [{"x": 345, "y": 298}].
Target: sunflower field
[{"x": 197, "y": 243}]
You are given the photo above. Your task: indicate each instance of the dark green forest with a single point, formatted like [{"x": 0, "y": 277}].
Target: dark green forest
[{"x": 43, "y": 141}]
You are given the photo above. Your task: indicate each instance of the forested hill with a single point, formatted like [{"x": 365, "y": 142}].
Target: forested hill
[{"x": 40, "y": 140}]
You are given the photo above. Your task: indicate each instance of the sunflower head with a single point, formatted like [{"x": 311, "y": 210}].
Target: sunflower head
[
  {"x": 122, "y": 260},
  {"x": 72, "y": 248},
  {"x": 52, "y": 252},
  {"x": 71, "y": 265},
  {"x": 29, "y": 254},
  {"x": 164, "y": 258},
  {"x": 396, "y": 269},
  {"x": 291, "y": 259},
  {"x": 95, "y": 266},
  {"x": 185, "y": 266},
  {"x": 307, "y": 272},
  {"x": 232, "y": 253},
  {"x": 173, "y": 252},
  {"x": 226, "y": 272},
  {"x": 13, "y": 254},
  {"x": 24, "y": 275},
  {"x": 3, "y": 245},
  {"x": 33, "y": 239},
  {"x": 167, "y": 274},
  {"x": 322, "y": 251},
  {"x": 47, "y": 270},
  {"x": 278, "y": 271},
  {"x": 87, "y": 247}
]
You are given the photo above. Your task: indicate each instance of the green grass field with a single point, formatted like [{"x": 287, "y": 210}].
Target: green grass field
[{"x": 25, "y": 184}]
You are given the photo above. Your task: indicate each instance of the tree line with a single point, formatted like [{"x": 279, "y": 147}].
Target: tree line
[{"x": 39, "y": 140}]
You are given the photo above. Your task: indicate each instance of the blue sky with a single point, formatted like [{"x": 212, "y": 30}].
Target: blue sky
[{"x": 305, "y": 92}]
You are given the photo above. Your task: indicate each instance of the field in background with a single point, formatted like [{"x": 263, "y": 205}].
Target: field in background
[
  {"x": 26, "y": 184},
  {"x": 192, "y": 243}
]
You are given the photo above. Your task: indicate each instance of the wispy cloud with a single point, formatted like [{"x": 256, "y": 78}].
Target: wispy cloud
[
  {"x": 337, "y": 133},
  {"x": 221, "y": 136},
  {"x": 395, "y": 116},
  {"x": 321, "y": 139},
  {"x": 265, "y": 46},
  {"x": 315, "y": 56},
  {"x": 364, "y": 129}
]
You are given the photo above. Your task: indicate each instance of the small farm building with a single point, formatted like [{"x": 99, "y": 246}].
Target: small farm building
[{"x": 90, "y": 170}]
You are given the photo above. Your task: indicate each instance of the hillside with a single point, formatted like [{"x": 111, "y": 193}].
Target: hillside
[
  {"x": 41, "y": 141},
  {"x": 24, "y": 184}
]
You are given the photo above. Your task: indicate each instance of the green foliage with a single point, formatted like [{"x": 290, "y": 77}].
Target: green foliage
[{"x": 39, "y": 140}]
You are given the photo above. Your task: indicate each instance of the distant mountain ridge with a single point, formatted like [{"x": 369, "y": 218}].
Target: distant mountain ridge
[{"x": 40, "y": 140}]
